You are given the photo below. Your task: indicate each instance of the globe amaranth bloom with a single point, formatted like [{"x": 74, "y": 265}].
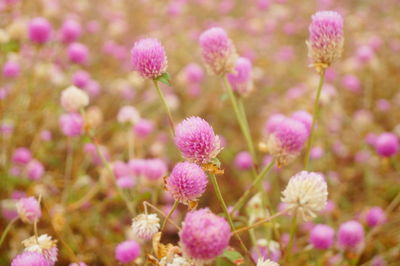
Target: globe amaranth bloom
[
  {"x": 306, "y": 194},
  {"x": 72, "y": 124},
  {"x": 218, "y": 51},
  {"x": 350, "y": 235},
  {"x": 30, "y": 258},
  {"x": 43, "y": 244},
  {"x": 144, "y": 226},
  {"x": 241, "y": 79},
  {"x": 325, "y": 44},
  {"x": 262, "y": 262},
  {"x": 73, "y": 99},
  {"x": 149, "y": 58},
  {"x": 127, "y": 251},
  {"x": 204, "y": 235},
  {"x": 375, "y": 216},
  {"x": 322, "y": 236},
  {"x": 387, "y": 144},
  {"x": 39, "y": 30},
  {"x": 29, "y": 210},
  {"x": 187, "y": 182},
  {"x": 196, "y": 140},
  {"x": 286, "y": 140}
]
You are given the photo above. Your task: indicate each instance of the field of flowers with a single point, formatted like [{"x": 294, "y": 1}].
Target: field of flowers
[{"x": 200, "y": 132}]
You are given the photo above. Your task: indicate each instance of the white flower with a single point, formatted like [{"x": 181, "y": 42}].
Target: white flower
[
  {"x": 306, "y": 194},
  {"x": 145, "y": 226},
  {"x": 262, "y": 262},
  {"x": 255, "y": 208},
  {"x": 175, "y": 261},
  {"x": 128, "y": 114},
  {"x": 44, "y": 244},
  {"x": 73, "y": 99}
]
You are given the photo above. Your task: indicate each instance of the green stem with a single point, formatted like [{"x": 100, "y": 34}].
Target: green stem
[
  {"x": 5, "y": 232},
  {"x": 314, "y": 120},
  {"x": 240, "y": 118},
  {"x": 164, "y": 102},
  {"x": 293, "y": 228},
  {"x": 260, "y": 222},
  {"x": 247, "y": 128},
  {"x": 243, "y": 199},
  {"x": 176, "y": 203}
]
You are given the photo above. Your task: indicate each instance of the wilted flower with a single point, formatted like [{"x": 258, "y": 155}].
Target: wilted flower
[
  {"x": 29, "y": 210},
  {"x": 144, "y": 226},
  {"x": 73, "y": 99},
  {"x": 306, "y": 194},
  {"x": 43, "y": 244},
  {"x": 127, "y": 251}
]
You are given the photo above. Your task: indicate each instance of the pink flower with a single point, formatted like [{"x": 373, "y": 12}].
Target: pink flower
[
  {"x": 71, "y": 124},
  {"x": 143, "y": 128},
  {"x": 149, "y": 58},
  {"x": 22, "y": 156},
  {"x": 31, "y": 259},
  {"x": 70, "y": 31},
  {"x": 243, "y": 160},
  {"x": 241, "y": 79},
  {"x": 81, "y": 79},
  {"x": 127, "y": 251},
  {"x": 304, "y": 117},
  {"x": 350, "y": 235},
  {"x": 39, "y": 30},
  {"x": 187, "y": 182},
  {"x": 11, "y": 69},
  {"x": 218, "y": 51},
  {"x": 322, "y": 236},
  {"x": 387, "y": 145},
  {"x": 78, "y": 53},
  {"x": 34, "y": 170},
  {"x": 154, "y": 169},
  {"x": 375, "y": 216},
  {"x": 29, "y": 210},
  {"x": 204, "y": 235}
]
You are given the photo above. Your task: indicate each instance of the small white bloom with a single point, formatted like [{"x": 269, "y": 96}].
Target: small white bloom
[
  {"x": 44, "y": 244},
  {"x": 128, "y": 114},
  {"x": 306, "y": 194},
  {"x": 73, "y": 99},
  {"x": 175, "y": 261},
  {"x": 262, "y": 262},
  {"x": 145, "y": 226}
]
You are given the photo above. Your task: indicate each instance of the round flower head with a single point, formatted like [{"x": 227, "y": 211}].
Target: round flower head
[
  {"x": 81, "y": 79},
  {"x": 196, "y": 140},
  {"x": 187, "y": 182},
  {"x": 322, "y": 236},
  {"x": 39, "y": 30},
  {"x": 78, "y": 53},
  {"x": 218, "y": 51},
  {"x": 350, "y": 235},
  {"x": 73, "y": 99},
  {"x": 22, "y": 156},
  {"x": 387, "y": 145},
  {"x": 127, "y": 251},
  {"x": 128, "y": 114},
  {"x": 143, "y": 128},
  {"x": 273, "y": 121},
  {"x": 262, "y": 262},
  {"x": 144, "y": 226},
  {"x": 149, "y": 58},
  {"x": 306, "y": 194},
  {"x": 72, "y": 124},
  {"x": 204, "y": 235},
  {"x": 304, "y": 117},
  {"x": 31, "y": 259},
  {"x": 34, "y": 170},
  {"x": 286, "y": 140},
  {"x": 193, "y": 73},
  {"x": 241, "y": 79},
  {"x": 175, "y": 260},
  {"x": 154, "y": 169},
  {"x": 375, "y": 216},
  {"x": 243, "y": 160},
  {"x": 325, "y": 44},
  {"x": 29, "y": 210},
  {"x": 70, "y": 31},
  {"x": 43, "y": 244},
  {"x": 11, "y": 69}
]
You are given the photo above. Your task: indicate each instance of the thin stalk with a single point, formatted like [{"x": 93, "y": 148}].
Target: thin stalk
[
  {"x": 263, "y": 221},
  {"x": 146, "y": 203},
  {"x": 243, "y": 199},
  {"x": 5, "y": 232},
  {"x": 314, "y": 120},
  {"x": 164, "y": 102},
  {"x": 68, "y": 169},
  {"x": 241, "y": 120},
  {"x": 293, "y": 229},
  {"x": 247, "y": 127},
  {"x": 176, "y": 203}
]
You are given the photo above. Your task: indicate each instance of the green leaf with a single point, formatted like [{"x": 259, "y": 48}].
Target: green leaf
[
  {"x": 164, "y": 78},
  {"x": 234, "y": 257}
]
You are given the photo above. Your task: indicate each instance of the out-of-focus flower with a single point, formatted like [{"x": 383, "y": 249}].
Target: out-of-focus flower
[
  {"x": 29, "y": 210},
  {"x": 70, "y": 31},
  {"x": 255, "y": 208},
  {"x": 306, "y": 194},
  {"x": 73, "y": 99},
  {"x": 81, "y": 79},
  {"x": 243, "y": 160},
  {"x": 187, "y": 182},
  {"x": 375, "y": 216},
  {"x": 71, "y": 124},
  {"x": 128, "y": 114},
  {"x": 78, "y": 264},
  {"x": 11, "y": 69},
  {"x": 218, "y": 51},
  {"x": 149, "y": 58},
  {"x": 175, "y": 260},
  {"x": 262, "y": 262},
  {"x": 34, "y": 170},
  {"x": 352, "y": 83},
  {"x": 143, "y": 128},
  {"x": 241, "y": 79},
  {"x": 43, "y": 244},
  {"x": 31, "y": 259},
  {"x": 269, "y": 249},
  {"x": 154, "y": 169},
  {"x": 22, "y": 156},
  {"x": 304, "y": 117},
  {"x": 322, "y": 236},
  {"x": 350, "y": 235},
  {"x": 387, "y": 144},
  {"x": 204, "y": 235},
  {"x": 39, "y": 30},
  {"x": 127, "y": 251},
  {"x": 144, "y": 226},
  {"x": 196, "y": 140},
  {"x": 78, "y": 53},
  {"x": 325, "y": 44}
]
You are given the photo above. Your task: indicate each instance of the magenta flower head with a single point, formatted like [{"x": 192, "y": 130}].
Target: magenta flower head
[
  {"x": 72, "y": 124},
  {"x": 149, "y": 58},
  {"x": 154, "y": 169},
  {"x": 22, "y": 156},
  {"x": 325, "y": 44},
  {"x": 241, "y": 79},
  {"x": 322, "y": 236},
  {"x": 204, "y": 235},
  {"x": 273, "y": 121},
  {"x": 70, "y": 31},
  {"x": 31, "y": 259},
  {"x": 187, "y": 182},
  {"x": 196, "y": 140},
  {"x": 29, "y": 210},
  {"x": 78, "y": 53},
  {"x": 11, "y": 69},
  {"x": 243, "y": 161},
  {"x": 218, "y": 51},
  {"x": 34, "y": 170},
  {"x": 127, "y": 251},
  {"x": 375, "y": 216},
  {"x": 387, "y": 145},
  {"x": 39, "y": 30},
  {"x": 81, "y": 79},
  {"x": 286, "y": 140},
  {"x": 350, "y": 235},
  {"x": 143, "y": 128},
  {"x": 193, "y": 73},
  {"x": 304, "y": 117}
]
